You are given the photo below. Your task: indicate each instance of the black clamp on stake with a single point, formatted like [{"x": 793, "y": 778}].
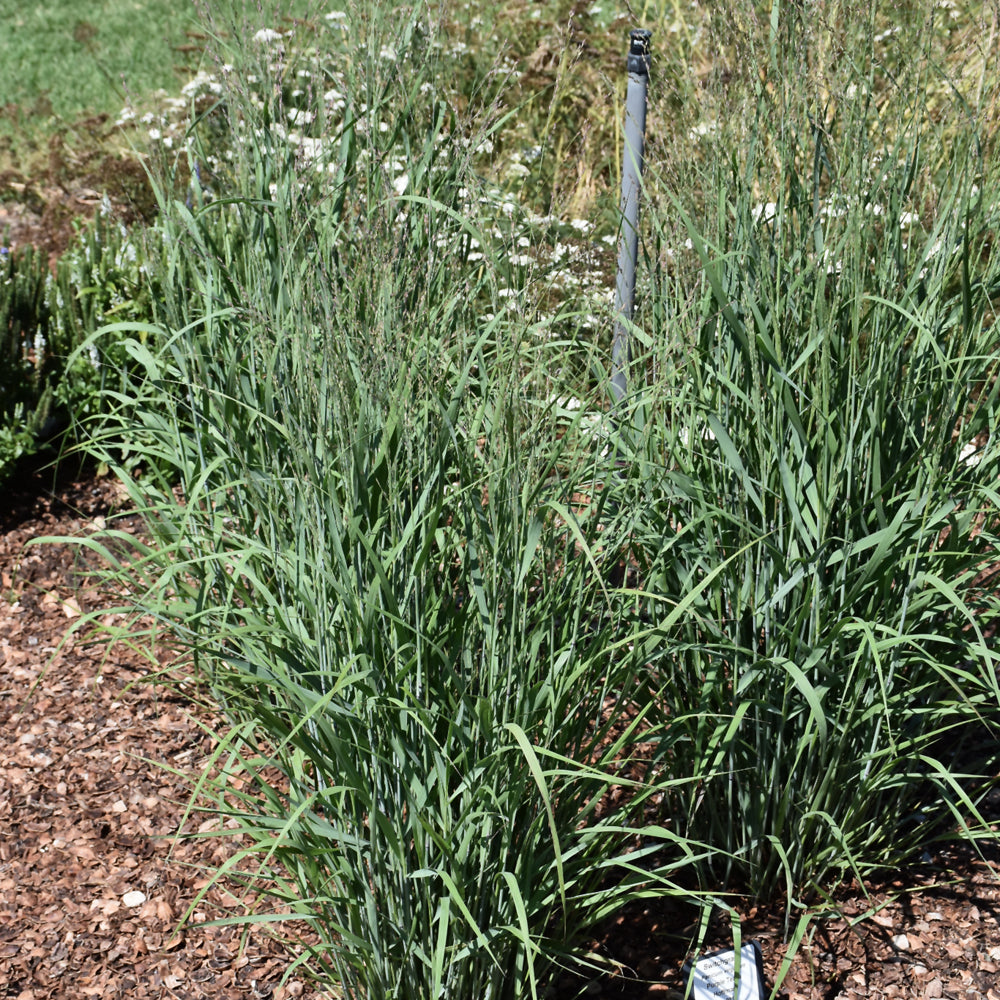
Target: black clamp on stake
[{"x": 638, "y": 51}]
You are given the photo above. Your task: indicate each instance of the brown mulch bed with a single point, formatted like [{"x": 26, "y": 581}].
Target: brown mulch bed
[
  {"x": 94, "y": 877},
  {"x": 97, "y": 864}
]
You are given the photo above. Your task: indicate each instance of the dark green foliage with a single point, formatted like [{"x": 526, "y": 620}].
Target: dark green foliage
[
  {"x": 25, "y": 364},
  {"x": 48, "y": 379}
]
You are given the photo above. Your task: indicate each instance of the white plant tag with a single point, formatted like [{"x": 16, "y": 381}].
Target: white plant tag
[{"x": 714, "y": 976}]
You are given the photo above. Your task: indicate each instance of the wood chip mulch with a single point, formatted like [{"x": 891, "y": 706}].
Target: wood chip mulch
[
  {"x": 93, "y": 875},
  {"x": 97, "y": 865}
]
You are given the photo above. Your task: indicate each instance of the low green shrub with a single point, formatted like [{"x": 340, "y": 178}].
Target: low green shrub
[
  {"x": 47, "y": 377},
  {"x": 25, "y": 365}
]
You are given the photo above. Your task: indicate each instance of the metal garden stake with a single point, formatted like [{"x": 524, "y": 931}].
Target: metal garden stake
[{"x": 628, "y": 238}]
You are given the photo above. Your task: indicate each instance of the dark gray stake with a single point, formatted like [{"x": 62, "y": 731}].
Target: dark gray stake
[{"x": 628, "y": 237}]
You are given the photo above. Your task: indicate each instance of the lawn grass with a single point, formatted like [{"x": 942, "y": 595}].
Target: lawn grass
[{"x": 64, "y": 62}]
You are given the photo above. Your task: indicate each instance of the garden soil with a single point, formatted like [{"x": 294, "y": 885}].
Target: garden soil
[{"x": 100, "y": 858}]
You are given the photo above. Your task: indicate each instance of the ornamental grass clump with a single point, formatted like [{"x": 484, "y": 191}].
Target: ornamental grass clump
[
  {"x": 376, "y": 533},
  {"x": 492, "y": 663},
  {"x": 815, "y": 435}
]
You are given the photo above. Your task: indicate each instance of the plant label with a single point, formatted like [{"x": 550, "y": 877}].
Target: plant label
[{"x": 713, "y": 976}]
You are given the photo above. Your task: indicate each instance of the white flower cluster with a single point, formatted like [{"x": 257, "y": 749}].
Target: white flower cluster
[
  {"x": 268, "y": 36},
  {"x": 560, "y": 272}
]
